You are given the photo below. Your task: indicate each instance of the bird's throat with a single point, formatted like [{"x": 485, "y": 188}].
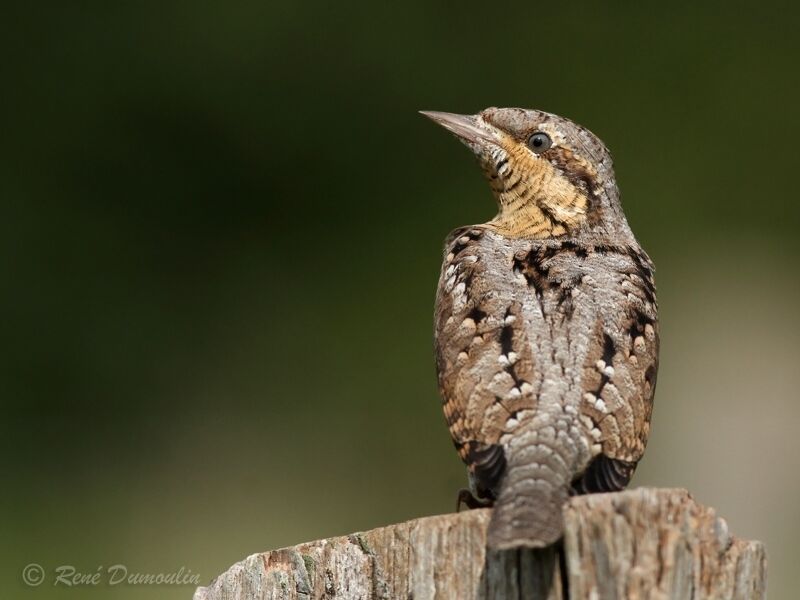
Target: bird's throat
[{"x": 535, "y": 199}]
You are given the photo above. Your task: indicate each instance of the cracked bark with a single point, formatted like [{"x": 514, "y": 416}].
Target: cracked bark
[{"x": 644, "y": 543}]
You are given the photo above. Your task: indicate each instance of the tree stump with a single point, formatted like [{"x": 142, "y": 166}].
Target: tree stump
[{"x": 639, "y": 544}]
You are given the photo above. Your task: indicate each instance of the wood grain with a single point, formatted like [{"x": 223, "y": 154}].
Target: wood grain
[{"x": 644, "y": 543}]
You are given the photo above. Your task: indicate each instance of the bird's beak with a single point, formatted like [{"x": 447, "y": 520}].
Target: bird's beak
[{"x": 468, "y": 128}]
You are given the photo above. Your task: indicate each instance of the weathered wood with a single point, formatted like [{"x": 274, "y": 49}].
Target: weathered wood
[{"x": 644, "y": 543}]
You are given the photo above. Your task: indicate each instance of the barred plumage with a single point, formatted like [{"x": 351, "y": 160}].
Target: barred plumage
[{"x": 546, "y": 326}]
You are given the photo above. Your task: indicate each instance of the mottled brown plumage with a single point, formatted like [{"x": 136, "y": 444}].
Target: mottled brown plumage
[{"x": 546, "y": 326}]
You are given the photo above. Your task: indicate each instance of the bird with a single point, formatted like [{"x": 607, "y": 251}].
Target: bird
[{"x": 546, "y": 326}]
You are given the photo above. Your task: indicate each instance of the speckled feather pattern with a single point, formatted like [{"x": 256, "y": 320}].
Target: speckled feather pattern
[{"x": 547, "y": 345}]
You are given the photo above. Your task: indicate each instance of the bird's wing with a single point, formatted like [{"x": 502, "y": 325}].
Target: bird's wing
[
  {"x": 598, "y": 303},
  {"x": 481, "y": 381},
  {"x": 619, "y": 378}
]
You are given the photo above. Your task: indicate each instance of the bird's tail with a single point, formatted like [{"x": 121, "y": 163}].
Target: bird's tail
[{"x": 528, "y": 510}]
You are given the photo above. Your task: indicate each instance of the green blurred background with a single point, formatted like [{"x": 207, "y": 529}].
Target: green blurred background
[{"x": 221, "y": 229}]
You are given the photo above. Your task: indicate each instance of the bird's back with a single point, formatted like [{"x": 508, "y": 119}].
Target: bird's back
[{"x": 546, "y": 354}]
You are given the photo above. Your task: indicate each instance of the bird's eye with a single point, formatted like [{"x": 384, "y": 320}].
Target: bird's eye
[{"x": 539, "y": 142}]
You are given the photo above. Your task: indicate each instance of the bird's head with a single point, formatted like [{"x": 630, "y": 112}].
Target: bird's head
[{"x": 550, "y": 176}]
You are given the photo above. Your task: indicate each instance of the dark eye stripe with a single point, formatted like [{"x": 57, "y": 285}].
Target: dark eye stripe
[{"x": 564, "y": 160}]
